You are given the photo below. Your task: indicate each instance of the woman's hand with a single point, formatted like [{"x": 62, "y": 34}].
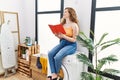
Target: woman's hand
[{"x": 60, "y": 35}]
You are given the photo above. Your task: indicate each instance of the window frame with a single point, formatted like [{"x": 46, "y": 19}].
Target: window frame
[
  {"x": 45, "y": 12},
  {"x": 92, "y": 27}
]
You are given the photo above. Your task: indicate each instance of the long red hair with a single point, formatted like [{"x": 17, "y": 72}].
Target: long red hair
[{"x": 73, "y": 15}]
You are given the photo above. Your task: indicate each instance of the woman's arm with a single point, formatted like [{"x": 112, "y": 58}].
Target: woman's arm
[
  {"x": 75, "y": 33},
  {"x": 58, "y": 36}
]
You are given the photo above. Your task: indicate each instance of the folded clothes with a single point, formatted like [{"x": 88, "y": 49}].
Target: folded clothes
[
  {"x": 43, "y": 61},
  {"x": 42, "y": 64},
  {"x": 38, "y": 64}
]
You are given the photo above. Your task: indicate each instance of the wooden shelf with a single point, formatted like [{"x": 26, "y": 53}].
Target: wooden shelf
[
  {"x": 21, "y": 60},
  {"x": 23, "y": 64}
]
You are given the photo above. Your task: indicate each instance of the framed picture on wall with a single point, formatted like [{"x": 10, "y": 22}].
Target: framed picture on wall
[{"x": 11, "y": 18}]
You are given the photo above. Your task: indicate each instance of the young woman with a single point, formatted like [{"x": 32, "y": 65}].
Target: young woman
[{"x": 67, "y": 45}]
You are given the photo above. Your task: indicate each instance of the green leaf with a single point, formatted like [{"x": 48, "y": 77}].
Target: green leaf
[
  {"x": 106, "y": 46},
  {"x": 110, "y": 43},
  {"x": 111, "y": 71},
  {"x": 86, "y": 42},
  {"x": 83, "y": 35},
  {"x": 99, "y": 77},
  {"x": 101, "y": 39},
  {"x": 83, "y": 58},
  {"x": 100, "y": 65},
  {"x": 87, "y": 76},
  {"x": 109, "y": 59},
  {"x": 92, "y": 32}
]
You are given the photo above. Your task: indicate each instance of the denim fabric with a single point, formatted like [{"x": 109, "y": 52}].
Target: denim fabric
[{"x": 57, "y": 54}]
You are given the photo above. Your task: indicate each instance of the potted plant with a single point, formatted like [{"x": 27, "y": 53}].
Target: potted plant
[{"x": 94, "y": 50}]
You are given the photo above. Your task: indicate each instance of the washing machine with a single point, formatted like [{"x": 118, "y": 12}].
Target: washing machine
[{"x": 72, "y": 67}]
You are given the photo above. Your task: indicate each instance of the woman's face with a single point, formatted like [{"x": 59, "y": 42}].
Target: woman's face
[{"x": 66, "y": 14}]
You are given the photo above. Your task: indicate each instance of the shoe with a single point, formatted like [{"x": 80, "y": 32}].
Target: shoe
[
  {"x": 58, "y": 78},
  {"x": 50, "y": 77}
]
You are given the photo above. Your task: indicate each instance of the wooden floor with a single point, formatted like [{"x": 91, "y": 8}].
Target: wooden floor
[{"x": 16, "y": 76}]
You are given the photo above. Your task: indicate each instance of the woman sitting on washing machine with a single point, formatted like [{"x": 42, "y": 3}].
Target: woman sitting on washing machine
[{"x": 67, "y": 45}]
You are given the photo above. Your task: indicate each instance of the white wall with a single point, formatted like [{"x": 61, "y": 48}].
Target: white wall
[
  {"x": 29, "y": 17},
  {"x": 25, "y": 9},
  {"x": 14, "y": 6}
]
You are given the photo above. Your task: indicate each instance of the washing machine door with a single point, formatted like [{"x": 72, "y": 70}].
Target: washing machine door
[
  {"x": 72, "y": 68},
  {"x": 65, "y": 72}
]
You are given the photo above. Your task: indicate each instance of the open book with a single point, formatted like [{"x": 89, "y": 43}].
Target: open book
[{"x": 58, "y": 28}]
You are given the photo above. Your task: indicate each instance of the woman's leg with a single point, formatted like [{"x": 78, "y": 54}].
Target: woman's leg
[
  {"x": 67, "y": 50},
  {"x": 52, "y": 53}
]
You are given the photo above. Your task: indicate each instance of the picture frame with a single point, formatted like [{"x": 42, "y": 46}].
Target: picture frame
[{"x": 11, "y": 18}]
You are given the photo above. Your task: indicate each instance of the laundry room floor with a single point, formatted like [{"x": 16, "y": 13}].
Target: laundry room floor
[{"x": 16, "y": 76}]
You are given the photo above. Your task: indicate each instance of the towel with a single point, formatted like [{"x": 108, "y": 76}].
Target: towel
[
  {"x": 44, "y": 65},
  {"x": 43, "y": 62}
]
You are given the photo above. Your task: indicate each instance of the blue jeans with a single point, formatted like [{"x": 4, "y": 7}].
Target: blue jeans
[{"x": 57, "y": 54}]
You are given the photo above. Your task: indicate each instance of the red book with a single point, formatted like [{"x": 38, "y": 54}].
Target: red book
[{"x": 58, "y": 28}]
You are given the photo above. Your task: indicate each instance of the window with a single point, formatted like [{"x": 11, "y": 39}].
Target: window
[
  {"x": 107, "y": 3},
  {"x": 51, "y": 5},
  {"x": 106, "y": 19},
  {"x": 46, "y": 38},
  {"x": 47, "y": 14}
]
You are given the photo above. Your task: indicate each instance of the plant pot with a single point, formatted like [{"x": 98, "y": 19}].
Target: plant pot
[{"x": 24, "y": 56}]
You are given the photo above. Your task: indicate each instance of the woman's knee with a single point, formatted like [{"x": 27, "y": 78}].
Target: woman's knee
[
  {"x": 50, "y": 54},
  {"x": 57, "y": 58}
]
